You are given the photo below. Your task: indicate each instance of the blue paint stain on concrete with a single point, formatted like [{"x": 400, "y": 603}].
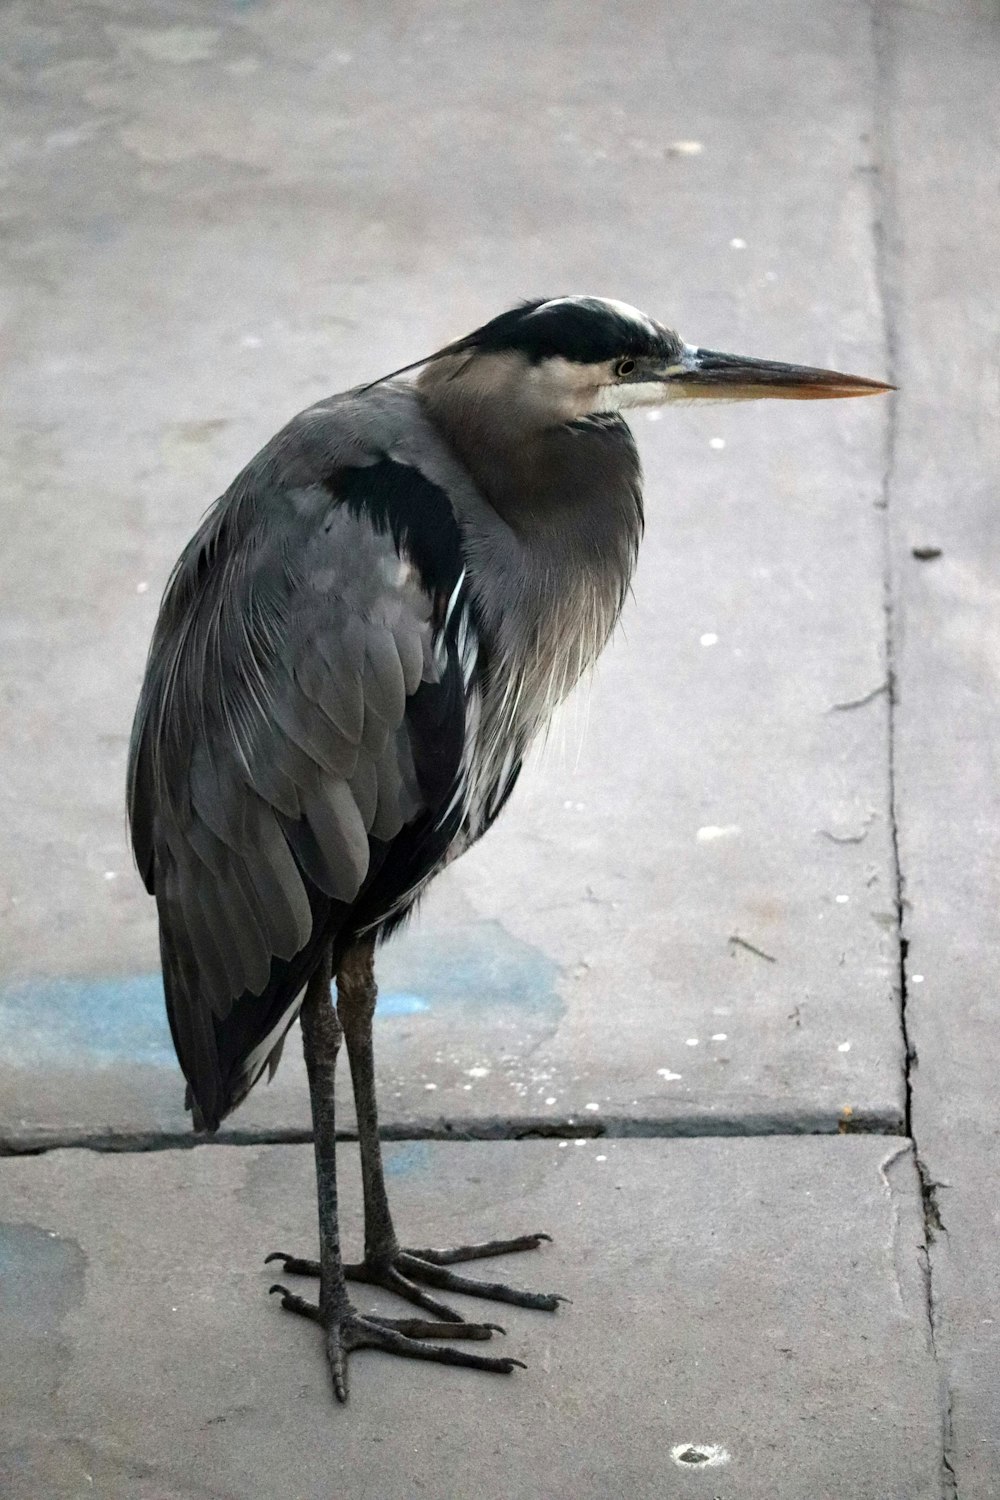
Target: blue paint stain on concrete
[
  {"x": 406, "y": 1159},
  {"x": 467, "y": 968},
  {"x": 85, "y": 1022},
  {"x": 399, "y": 1003},
  {"x": 103, "y": 1022}
]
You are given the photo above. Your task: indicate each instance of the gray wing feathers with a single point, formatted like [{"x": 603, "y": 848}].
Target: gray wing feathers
[{"x": 270, "y": 741}]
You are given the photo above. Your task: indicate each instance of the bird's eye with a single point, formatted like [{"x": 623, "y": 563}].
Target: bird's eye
[{"x": 625, "y": 367}]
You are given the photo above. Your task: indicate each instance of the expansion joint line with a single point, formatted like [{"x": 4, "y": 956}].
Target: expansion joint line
[{"x": 886, "y": 236}]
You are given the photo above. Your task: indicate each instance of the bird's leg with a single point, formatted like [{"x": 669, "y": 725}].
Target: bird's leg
[
  {"x": 356, "y": 997},
  {"x": 345, "y": 1328},
  {"x": 386, "y": 1263}
]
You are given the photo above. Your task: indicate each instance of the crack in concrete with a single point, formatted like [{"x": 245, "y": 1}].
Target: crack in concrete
[
  {"x": 488, "y": 1128},
  {"x": 886, "y": 238}
]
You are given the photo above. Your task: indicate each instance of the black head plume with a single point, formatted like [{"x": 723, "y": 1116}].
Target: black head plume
[{"x": 586, "y": 330}]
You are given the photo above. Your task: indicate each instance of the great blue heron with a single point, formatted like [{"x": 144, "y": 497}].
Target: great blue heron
[{"x": 353, "y": 654}]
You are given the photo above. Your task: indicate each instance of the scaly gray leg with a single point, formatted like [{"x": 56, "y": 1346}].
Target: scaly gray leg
[
  {"x": 385, "y": 1263},
  {"x": 345, "y": 1328}
]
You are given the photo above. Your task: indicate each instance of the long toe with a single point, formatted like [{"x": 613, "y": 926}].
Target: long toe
[
  {"x": 388, "y": 1275},
  {"x": 365, "y": 1333},
  {"x": 482, "y": 1250},
  {"x": 436, "y": 1275},
  {"x": 423, "y": 1328}
]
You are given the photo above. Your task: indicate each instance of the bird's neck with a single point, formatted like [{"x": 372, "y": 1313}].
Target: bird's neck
[{"x": 552, "y": 550}]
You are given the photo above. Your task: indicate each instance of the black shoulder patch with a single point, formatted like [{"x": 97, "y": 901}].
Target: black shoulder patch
[{"x": 398, "y": 499}]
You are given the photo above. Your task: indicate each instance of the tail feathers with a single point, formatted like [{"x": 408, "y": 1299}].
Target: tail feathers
[
  {"x": 223, "y": 1057},
  {"x": 191, "y": 1020}
]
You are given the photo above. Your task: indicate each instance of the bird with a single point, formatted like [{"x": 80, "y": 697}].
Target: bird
[{"x": 352, "y": 657}]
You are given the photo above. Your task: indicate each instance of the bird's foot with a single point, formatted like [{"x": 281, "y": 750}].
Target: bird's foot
[
  {"x": 401, "y": 1270},
  {"x": 347, "y": 1330}
]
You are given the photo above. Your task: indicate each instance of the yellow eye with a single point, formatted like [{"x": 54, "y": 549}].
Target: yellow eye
[{"x": 625, "y": 367}]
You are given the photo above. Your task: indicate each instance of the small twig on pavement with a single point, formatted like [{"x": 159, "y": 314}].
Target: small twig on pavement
[
  {"x": 876, "y": 692},
  {"x": 739, "y": 942}
]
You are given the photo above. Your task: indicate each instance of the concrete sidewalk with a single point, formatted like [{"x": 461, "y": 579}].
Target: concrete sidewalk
[
  {"x": 688, "y": 922},
  {"x": 747, "y": 1320}
]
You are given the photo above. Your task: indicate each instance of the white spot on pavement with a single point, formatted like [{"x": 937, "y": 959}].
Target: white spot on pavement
[
  {"x": 551, "y": 1100},
  {"x": 709, "y": 638},
  {"x": 717, "y": 443},
  {"x": 430, "y": 1086},
  {"x": 713, "y": 831},
  {"x": 111, "y": 875},
  {"x": 592, "y": 1107},
  {"x": 844, "y": 1047},
  {"x": 581, "y": 1142},
  {"x": 842, "y": 900},
  {"x": 667, "y": 1076},
  {"x": 691, "y": 1041},
  {"x": 600, "y": 1158},
  {"x": 142, "y": 588},
  {"x": 737, "y": 244},
  {"x": 477, "y": 1072},
  {"x": 685, "y": 148},
  {"x": 719, "y": 1036},
  {"x": 916, "y": 979}
]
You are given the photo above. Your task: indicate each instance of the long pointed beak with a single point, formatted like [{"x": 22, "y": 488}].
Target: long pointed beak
[{"x": 735, "y": 377}]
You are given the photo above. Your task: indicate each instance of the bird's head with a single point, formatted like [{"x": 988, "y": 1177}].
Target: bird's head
[{"x": 568, "y": 358}]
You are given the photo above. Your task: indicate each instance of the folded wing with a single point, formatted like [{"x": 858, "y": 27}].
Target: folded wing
[{"x": 299, "y": 733}]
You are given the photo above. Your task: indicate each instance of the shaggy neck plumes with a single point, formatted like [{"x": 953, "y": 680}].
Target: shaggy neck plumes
[{"x": 552, "y": 551}]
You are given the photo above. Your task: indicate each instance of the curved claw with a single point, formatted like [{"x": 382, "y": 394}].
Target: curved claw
[
  {"x": 294, "y": 1264},
  {"x": 291, "y": 1302}
]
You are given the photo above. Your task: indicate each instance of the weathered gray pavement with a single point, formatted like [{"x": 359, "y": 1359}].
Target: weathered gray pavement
[
  {"x": 211, "y": 218},
  {"x": 761, "y": 1298}
]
